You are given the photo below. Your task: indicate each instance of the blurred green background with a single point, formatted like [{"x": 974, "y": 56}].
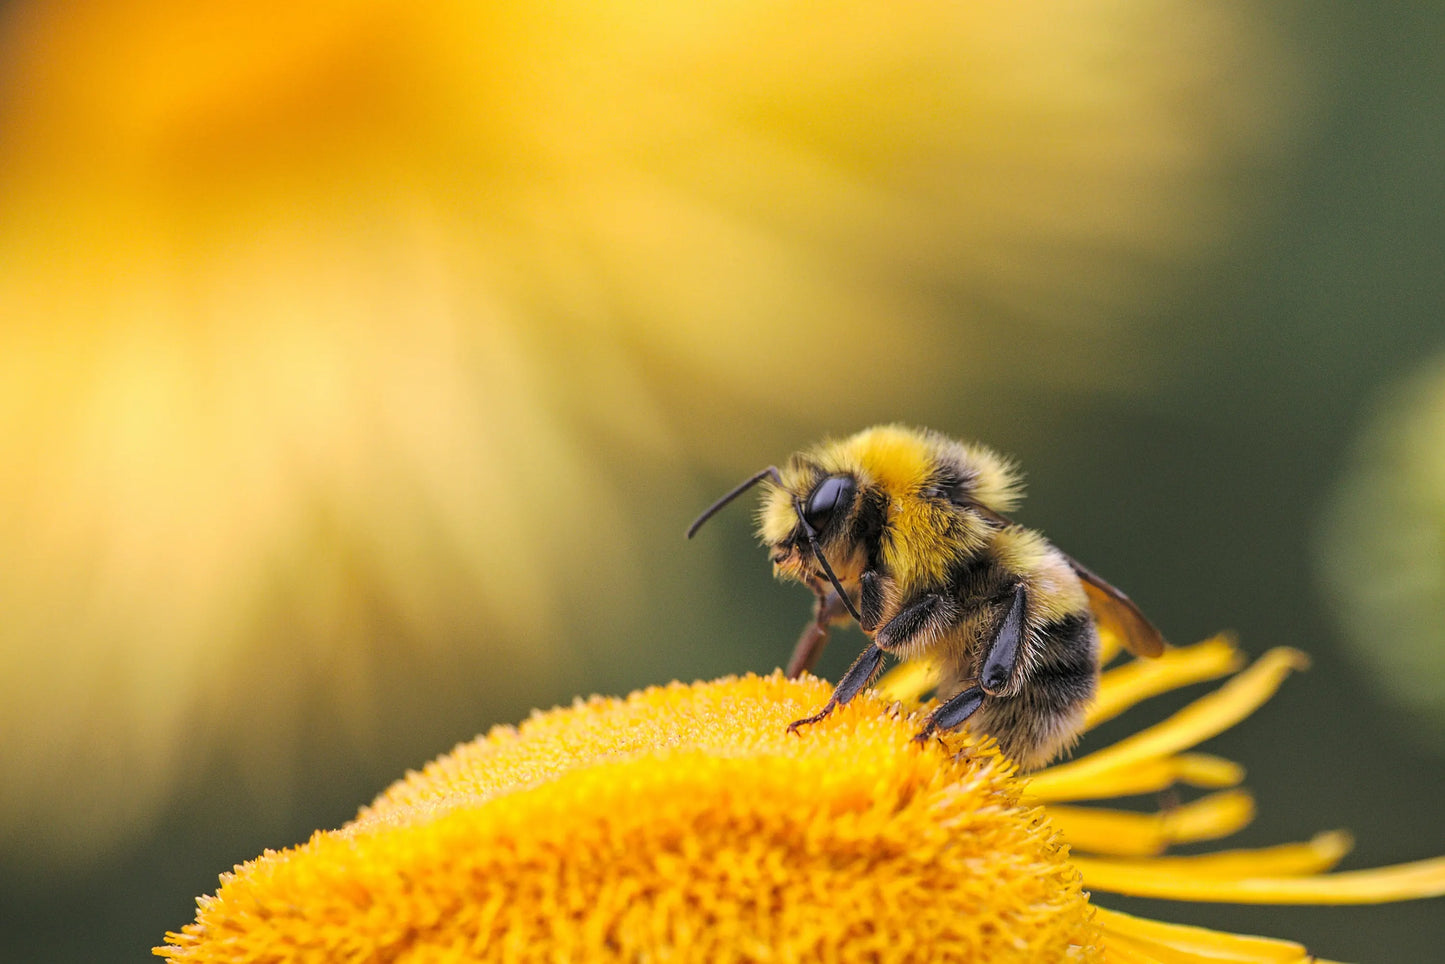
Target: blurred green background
[{"x": 360, "y": 367}]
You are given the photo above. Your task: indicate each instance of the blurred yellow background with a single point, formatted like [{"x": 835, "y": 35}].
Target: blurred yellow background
[{"x": 361, "y": 363}]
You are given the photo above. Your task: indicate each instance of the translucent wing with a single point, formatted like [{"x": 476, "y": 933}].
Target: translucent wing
[{"x": 1116, "y": 613}]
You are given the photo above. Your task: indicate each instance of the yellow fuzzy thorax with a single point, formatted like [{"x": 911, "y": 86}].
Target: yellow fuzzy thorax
[{"x": 924, "y": 537}]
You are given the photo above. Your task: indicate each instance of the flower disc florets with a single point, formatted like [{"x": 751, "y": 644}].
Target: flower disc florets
[{"x": 680, "y": 823}]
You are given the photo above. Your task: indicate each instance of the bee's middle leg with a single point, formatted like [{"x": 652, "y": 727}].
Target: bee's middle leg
[
  {"x": 926, "y": 615},
  {"x": 998, "y": 668}
]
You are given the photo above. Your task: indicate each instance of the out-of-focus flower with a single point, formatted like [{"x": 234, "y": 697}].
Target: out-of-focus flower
[
  {"x": 686, "y": 822},
  {"x": 1382, "y": 551},
  {"x": 326, "y": 323}
]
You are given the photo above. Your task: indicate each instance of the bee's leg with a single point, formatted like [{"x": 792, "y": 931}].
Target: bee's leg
[
  {"x": 808, "y": 648},
  {"x": 870, "y": 600},
  {"x": 998, "y": 668},
  {"x": 928, "y": 613},
  {"x": 1003, "y": 650},
  {"x": 859, "y": 675},
  {"x": 829, "y": 609},
  {"x": 952, "y": 713}
]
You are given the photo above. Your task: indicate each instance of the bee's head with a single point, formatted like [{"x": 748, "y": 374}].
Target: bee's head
[
  {"x": 810, "y": 509},
  {"x": 806, "y": 516},
  {"x": 903, "y": 502}
]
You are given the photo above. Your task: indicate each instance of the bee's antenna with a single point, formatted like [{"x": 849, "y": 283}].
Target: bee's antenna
[
  {"x": 823, "y": 561},
  {"x": 712, "y": 510}
]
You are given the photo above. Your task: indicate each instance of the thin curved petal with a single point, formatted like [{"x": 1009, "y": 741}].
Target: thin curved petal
[
  {"x": 1412, "y": 881},
  {"x": 1205, "y": 717}
]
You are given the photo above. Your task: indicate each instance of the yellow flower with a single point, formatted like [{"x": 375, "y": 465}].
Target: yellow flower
[{"x": 684, "y": 823}]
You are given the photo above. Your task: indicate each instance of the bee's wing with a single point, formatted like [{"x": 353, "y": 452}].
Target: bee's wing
[{"x": 1116, "y": 613}]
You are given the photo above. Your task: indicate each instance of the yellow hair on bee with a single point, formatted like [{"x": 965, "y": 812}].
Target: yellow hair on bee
[
  {"x": 1056, "y": 592},
  {"x": 899, "y": 459},
  {"x": 925, "y": 537},
  {"x": 924, "y": 542},
  {"x": 908, "y": 532},
  {"x": 995, "y": 480}
]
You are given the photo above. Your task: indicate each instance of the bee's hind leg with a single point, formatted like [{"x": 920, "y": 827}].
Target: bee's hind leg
[
  {"x": 952, "y": 713},
  {"x": 998, "y": 669},
  {"x": 1003, "y": 650}
]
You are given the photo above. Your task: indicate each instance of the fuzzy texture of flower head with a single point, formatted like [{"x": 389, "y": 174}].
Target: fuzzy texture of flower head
[
  {"x": 681, "y": 823},
  {"x": 684, "y": 823}
]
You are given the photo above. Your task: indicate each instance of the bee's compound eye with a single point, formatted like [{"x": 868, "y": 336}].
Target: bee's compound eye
[{"x": 829, "y": 494}]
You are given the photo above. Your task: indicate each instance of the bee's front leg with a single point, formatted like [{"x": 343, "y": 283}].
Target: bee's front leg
[
  {"x": 928, "y": 613},
  {"x": 871, "y": 593},
  {"x": 830, "y": 610},
  {"x": 859, "y": 675}
]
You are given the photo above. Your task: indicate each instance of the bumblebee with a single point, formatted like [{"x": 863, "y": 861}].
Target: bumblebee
[{"x": 906, "y": 532}]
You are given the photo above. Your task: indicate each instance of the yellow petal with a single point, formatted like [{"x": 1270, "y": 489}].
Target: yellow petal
[
  {"x": 1101, "y": 830},
  {"x": 1150, "y": 776},
  {"x": 1140, "y": 679},
  {"x": 1110, "y": 646},
  {"x": 1424, "y": 878},
  {"x": 1122, "y": 952},
  {"x": 908, "y": 681},
  {"x": 1284, "y": 860},
  {"x": 1181, "y": 943},
  {"x": 1205, "y": 717}
]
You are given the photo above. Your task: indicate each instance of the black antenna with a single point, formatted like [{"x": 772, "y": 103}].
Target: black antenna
[
  {"x": 771, "y": 472},
  {"x": 713, "y": 509}
]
